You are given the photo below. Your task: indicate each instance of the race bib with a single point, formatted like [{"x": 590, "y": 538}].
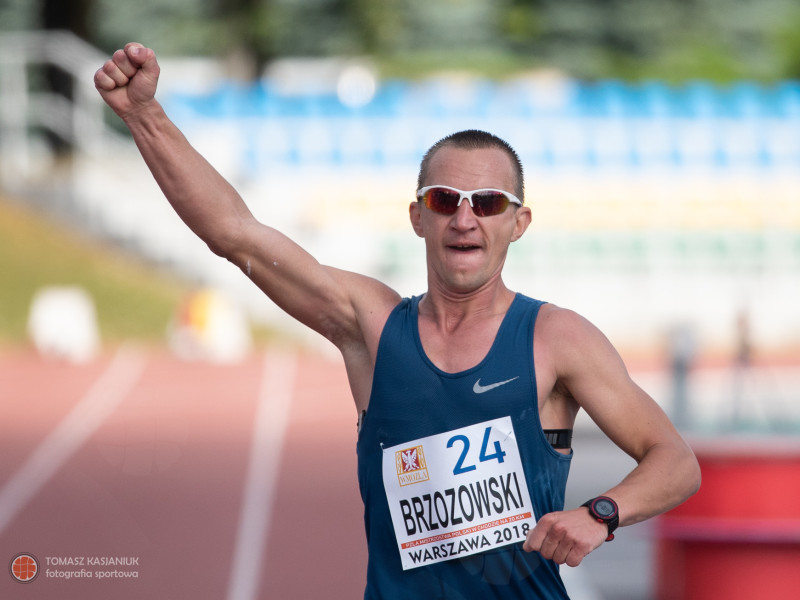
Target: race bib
[{"x": 457, "y": 493}]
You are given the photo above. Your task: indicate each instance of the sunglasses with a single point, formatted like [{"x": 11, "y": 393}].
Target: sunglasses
[{"x": 445, "y": 200}]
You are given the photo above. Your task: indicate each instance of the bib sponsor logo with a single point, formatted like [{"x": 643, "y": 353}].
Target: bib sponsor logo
[{"x": 411, "y": 466}]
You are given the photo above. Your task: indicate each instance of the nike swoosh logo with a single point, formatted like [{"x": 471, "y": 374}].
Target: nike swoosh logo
[{"x": 479, "y": 389}]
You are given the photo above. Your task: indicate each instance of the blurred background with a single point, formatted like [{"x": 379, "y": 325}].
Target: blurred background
[{"x": 661, "y": 143}]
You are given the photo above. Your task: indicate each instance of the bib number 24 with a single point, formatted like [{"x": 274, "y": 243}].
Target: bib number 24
[{"x": 483, "y": 456}]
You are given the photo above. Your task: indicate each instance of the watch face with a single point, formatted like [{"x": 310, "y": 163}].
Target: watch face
[{"x": 604, "y": 508}]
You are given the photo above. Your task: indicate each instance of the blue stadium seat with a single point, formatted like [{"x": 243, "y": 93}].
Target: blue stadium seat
[{"x": 788, "y": 98}]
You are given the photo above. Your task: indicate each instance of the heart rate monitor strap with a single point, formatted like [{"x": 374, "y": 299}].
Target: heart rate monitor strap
[{"x": 560, "y": 439}]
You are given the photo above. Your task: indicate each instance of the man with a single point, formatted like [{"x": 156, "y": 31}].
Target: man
[{"x": 466, "y": 407}]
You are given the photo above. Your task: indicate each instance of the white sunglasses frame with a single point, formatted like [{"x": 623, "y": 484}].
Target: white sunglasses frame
[{"x": 468, "y": 195}]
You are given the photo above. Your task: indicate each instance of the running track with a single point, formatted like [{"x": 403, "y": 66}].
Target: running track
[{"x": 230, "y": 482}]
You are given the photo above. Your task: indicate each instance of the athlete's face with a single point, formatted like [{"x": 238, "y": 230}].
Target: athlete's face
[{"x": 465, "y": 252}]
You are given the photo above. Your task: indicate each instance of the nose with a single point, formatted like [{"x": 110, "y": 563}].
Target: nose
[{"x": 464, "y": 218}]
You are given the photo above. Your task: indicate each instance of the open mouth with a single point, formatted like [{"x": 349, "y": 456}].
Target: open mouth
[{"x": 464, "y": 247}]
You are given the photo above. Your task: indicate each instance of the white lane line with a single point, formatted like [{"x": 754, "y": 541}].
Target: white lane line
[
  {"x": 272, "y": 416},
  {"x": 99, "y": 403}
]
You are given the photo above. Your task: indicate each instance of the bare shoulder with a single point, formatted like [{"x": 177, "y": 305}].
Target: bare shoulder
[
  {"x": 567, "y": 334},
  {"x": 557, "y": 319},
  {"x": 371, "y": 301},
  {"x": 367, "y": 291},
  {"x": 581, "y": 358}
]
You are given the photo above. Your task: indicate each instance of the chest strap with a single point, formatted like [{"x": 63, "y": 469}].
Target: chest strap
[{"x": 560, "y": 439}]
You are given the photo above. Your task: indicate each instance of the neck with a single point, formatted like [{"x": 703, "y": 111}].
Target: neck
[{"x": 449, "y": 309}]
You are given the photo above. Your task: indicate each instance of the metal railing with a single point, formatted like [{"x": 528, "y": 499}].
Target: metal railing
[{"x": 26, "y": 111}]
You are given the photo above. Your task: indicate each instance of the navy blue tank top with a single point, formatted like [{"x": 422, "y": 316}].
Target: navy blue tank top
[{"x": 412, "y": 399}]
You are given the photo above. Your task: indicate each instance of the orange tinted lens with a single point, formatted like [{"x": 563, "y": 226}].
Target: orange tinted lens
[
  {"x": 442, "y": 200},
  {"x": 487, "y": 204}
]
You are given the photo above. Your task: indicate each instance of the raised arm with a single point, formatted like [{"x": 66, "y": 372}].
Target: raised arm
[
  {"x": 345, "y": 307},
  {"x": 589, "y": 372}
]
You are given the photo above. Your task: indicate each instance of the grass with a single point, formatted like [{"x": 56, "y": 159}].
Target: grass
[{"x": 133, "y": 300}]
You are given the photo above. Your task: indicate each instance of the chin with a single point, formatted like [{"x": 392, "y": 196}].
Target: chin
[{"x": 465, "y": 285}]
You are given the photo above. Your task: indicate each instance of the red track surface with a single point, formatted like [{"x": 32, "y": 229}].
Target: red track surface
[{"x": 161, "y": 480}]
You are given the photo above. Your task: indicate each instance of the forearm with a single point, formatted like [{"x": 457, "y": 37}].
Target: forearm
[
  {"x": 203, "y": 199},
  {"x": 666, "y": 475}
]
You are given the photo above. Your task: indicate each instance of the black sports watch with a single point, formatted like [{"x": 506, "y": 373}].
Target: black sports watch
[{"x": 604, "y": 510}]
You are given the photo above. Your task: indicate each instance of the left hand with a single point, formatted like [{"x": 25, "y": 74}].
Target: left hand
[{"x": 566, "y": 536}]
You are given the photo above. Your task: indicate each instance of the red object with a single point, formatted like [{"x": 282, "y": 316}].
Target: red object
[{"x": 739, "y": 536}]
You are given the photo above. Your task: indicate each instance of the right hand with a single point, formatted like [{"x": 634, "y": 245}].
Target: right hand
[
  {"x": 566, "y": 537},
  {"x": 127, "y": 82}
]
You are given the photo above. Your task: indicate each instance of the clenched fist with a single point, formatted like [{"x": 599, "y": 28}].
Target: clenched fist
[
  {"x": 127, "y": 82},
  {"x": 566, "y": 537}
]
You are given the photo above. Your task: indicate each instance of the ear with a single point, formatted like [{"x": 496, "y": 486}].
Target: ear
[
  {"x": 522, "y": 219},
  {"x": 415, "y": 214}
]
